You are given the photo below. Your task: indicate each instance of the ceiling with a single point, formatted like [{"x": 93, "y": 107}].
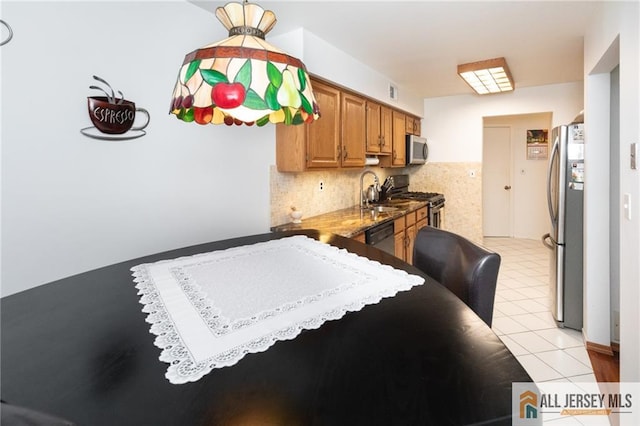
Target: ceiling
[{"x": 419, "y": 44}]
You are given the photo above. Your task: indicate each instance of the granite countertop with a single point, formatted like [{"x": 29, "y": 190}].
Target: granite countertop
[{"x": 352, "y": 221}]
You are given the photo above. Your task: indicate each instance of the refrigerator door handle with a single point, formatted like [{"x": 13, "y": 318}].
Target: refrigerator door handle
[
  {"x": 546, "y": 237},
  {"x": 554, "y": 153}
]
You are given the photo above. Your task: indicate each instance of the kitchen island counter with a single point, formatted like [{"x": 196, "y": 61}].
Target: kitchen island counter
[{"x": 352, "y": 221}]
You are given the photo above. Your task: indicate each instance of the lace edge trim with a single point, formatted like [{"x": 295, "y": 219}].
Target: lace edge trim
[{"x": 184, "y": 369}]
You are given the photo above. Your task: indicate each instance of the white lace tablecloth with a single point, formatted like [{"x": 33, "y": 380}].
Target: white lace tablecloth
[{"x": 211, "y": 309}]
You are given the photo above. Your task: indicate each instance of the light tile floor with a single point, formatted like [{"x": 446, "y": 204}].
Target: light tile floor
[{"x": 523, "y": 320}]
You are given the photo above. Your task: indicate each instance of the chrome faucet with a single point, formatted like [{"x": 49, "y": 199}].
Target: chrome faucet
[{"x": 364, "y": 202}]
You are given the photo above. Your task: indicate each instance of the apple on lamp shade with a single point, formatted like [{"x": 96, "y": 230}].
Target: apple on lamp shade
[{"x": 243, "y": 79}]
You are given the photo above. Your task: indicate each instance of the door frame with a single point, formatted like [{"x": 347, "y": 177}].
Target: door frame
[{"x": 511, "y": 177}]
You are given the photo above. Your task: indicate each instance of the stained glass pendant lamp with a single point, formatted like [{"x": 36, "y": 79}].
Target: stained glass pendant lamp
[{"x": 243, "y": 79}]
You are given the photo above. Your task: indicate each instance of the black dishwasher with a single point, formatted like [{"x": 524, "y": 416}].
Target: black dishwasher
[{"x": 381, "y": 237}]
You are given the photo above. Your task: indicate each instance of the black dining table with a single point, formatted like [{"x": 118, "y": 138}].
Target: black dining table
[{"x": 79, "y": 348}]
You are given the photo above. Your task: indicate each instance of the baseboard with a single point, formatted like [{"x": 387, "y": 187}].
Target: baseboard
[
  {"x": 615, "y": 346},
  {"x": 602, "y": 349}
]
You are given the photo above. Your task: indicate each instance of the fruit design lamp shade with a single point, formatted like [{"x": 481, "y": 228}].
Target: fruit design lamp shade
[{"x": 243, "y": 79}]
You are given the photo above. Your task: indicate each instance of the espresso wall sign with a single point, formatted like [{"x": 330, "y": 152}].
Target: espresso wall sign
[{"x": 113, "y": 116}]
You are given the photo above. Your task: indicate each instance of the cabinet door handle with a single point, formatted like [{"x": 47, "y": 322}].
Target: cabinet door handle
[
  {"x": 394, "y": 154},
  {"x": 344, "y": 156},
  {"x": 383, "y": 141}
]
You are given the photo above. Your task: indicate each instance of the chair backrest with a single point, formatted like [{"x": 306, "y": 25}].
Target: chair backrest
[{"x": 467, "y": 269}]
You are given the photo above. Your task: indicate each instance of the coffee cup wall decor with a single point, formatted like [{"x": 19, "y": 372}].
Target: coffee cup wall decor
[{"x": 113, "y": 117}]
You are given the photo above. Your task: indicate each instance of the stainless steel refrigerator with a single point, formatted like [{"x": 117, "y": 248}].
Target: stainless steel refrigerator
[{"x": 565, "y": 193}]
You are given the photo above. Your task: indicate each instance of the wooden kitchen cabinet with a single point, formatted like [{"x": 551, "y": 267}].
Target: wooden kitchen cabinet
[
  {"x": 323, "y": 136},
  {"x": 405, "y": 229},
  {"x": 408, "y": 122},
  {"x": 379, "y": 129},
  {"x": 398, "y": 155},
  {"x": 351, "y": 125},
  {"x": 410, "y": 235},
  {"x": 399, "y": 237},
  {"x": 316, "y": 145},
  {"x": 386, "y": 121},
  {"x": 417, "y": 126},
  {"x": 413, "y": 125},
  {"x": 354, "y": 130},
  {"x": 421, "y": 218},
  {"x": 336, "y": 140}
]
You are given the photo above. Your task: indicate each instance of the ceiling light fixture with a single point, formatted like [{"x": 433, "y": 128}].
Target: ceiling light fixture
[
  {"x": 243, "y": 79},
  {"x": 485, "y": 77}
]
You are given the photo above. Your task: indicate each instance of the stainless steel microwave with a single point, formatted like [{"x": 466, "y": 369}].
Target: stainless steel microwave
[{"x": 417, "y": 150}]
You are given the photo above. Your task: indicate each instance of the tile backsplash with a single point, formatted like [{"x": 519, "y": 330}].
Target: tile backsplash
[
  {"x": 302, "y": 190},
  {"x": 463, "y": 193}
]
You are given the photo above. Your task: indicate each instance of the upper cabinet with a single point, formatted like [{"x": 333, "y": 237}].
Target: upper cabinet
[
  {"x": 413, "y": 126},
  {"x": 354, "y": 130},
  {"x": 398, "y": 155},
  {"x": 398, "y": 142},
  {"x": 350, "y": 126},
  {"x": 337, "y": 139},
  {"x": 315, "y": 145},
  {"x": 379, "y": 134},
  {"x": 323, "y": 136}
]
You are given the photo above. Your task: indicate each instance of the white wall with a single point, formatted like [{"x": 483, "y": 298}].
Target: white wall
[
  {"x": 329, "y": 62},
  {"x": 613, "y": 38},
  {"x": 70, "y": 203},
  {"x": 453, "y": 124}
]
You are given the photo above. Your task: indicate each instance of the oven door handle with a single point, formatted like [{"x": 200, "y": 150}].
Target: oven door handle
[{"x": 435, "y": 215}]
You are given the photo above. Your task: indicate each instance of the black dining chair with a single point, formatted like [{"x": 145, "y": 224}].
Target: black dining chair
[{"x": 465, "y": 268}]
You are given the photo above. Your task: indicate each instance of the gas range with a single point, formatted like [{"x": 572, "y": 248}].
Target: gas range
[
  {"x": 433, "y": 199},
  {"x": 400, "y": 190}
]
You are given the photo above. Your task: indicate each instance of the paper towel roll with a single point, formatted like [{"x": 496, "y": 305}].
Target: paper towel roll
[{"x": 372, "y": 161}]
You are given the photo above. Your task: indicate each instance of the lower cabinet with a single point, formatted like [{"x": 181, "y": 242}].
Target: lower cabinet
[
  {"x": 399, "y": 238},
  {"x": 404, "y": 236},
  {"x": 421, "y": 218},
  {"x": 405, "y": 231}
]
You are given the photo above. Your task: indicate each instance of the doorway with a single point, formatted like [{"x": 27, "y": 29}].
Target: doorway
[
  {"x": 514, "y": 196},
  {"x": 496, "y": 182}
]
